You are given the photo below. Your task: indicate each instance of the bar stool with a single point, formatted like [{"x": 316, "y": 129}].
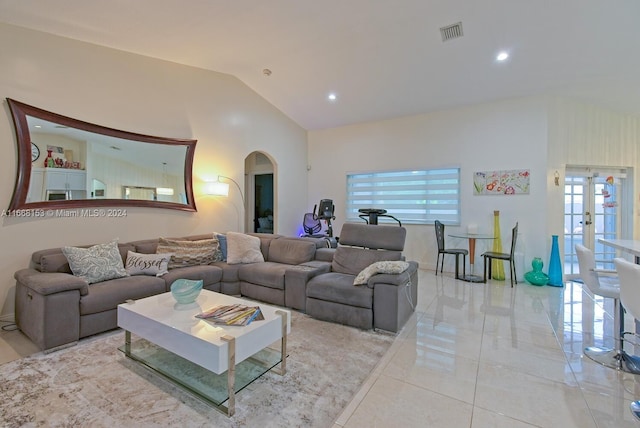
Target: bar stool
[
  {"x": 606, "y": 286},
  {"x": 629, "y": 274}
]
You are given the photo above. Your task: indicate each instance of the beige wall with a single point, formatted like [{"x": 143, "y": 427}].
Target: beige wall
[
  {"x": 537, "y": 133},
  {"x": 503, "y": 135},
  {"x": 148, "y": 96},
  {"x": 587, "y": 135}
]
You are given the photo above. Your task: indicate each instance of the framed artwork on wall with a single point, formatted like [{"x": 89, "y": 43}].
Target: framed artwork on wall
[{"x": 502, "y": 182}]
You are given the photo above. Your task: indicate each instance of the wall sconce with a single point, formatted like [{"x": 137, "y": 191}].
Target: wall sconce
[{"x": 556, "y": 178}]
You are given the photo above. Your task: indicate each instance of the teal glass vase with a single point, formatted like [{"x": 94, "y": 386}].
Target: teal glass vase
[
  {"x": 555, "y": 265},
  {"x": 536, "y": 276}
]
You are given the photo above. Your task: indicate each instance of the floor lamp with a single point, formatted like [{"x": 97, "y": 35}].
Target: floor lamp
[{"x": 220, "y": 188}]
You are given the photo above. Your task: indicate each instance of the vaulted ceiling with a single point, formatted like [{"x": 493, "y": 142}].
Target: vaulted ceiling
[{"x": 381, "y": 58}]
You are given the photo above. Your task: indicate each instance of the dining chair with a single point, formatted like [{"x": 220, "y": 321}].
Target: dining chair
[
  {"x": 629, "y": 274},
  {"x": 490, "y": 255},
  {"x": 606, "y": 284},
  {"x": 455, "y": 251}
]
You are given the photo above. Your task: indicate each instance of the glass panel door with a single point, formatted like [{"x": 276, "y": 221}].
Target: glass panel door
[{"x": 593, "y": 201}]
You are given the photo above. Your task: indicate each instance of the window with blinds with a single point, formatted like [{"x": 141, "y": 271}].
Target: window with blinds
[{"x": 413, "y": 197}]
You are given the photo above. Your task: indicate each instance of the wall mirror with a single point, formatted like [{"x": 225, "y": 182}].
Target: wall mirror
[{"x": 68, "y": 163}]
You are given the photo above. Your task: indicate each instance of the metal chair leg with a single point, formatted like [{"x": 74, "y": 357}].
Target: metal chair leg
[
  {"x": 457, "y": 263},
  {"x": 464, "y": 265},
  {"x": 615, "y": 358},
  {"x": 485, "y": 268}
]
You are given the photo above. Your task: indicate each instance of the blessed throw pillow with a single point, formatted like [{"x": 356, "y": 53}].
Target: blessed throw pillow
[
  {"x": 147, "y": 264},
  {"x": 243, "y": 248},
  {"x": 380, "y": 267},
  {"x": 95, "y": 264},
  {"x": 190, "y": 253}
]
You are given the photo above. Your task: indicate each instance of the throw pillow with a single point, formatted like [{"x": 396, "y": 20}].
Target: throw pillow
[
  {"x": 95, "y": 264},
  {"x": 242, "y": 248},
  {"x": 380, "y": 267},
  {"x": 189, "y": 253},
  {"x": 147, "y": 264},
  {"x": 222, "y": 239}
]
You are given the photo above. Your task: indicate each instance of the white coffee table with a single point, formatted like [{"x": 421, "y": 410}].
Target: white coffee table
[{"x": 214, "y": 349}]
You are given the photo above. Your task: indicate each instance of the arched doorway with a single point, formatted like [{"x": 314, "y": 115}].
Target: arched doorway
[{"x": 260, "y": 184}]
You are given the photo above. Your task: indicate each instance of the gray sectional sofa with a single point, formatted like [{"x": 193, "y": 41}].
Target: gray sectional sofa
[{"x": 54, "y": 308}]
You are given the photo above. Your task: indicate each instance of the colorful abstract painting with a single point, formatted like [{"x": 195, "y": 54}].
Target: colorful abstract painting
[{"x": 511, "y": 182}]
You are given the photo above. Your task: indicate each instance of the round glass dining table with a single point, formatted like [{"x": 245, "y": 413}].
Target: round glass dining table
[{"x": 471, "y": 237}]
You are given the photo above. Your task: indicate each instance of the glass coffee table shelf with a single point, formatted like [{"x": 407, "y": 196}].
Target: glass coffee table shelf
[
  {"x": 204, "y": 384},
  {"x": 212, "y": 361}
]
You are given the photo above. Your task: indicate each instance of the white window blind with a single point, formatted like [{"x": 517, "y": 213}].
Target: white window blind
[{"x": 413, "y": 197}]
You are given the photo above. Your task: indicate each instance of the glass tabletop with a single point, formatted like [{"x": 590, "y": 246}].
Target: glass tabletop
[{"x": 467, "y": 235}]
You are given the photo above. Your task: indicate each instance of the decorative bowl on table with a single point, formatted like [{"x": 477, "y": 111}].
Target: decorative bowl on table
[{"x": 186, "y": 291}]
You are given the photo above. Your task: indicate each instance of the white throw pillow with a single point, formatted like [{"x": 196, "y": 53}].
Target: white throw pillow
[
  {"x": 147, "y": 264},
  {"x": 95, "y": 264},
  {"x": 379, "y": 267},
  {"x": 242, "y": 248}
]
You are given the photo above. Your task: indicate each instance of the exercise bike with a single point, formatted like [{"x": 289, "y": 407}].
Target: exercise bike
[{"x": 312, "y": 222}]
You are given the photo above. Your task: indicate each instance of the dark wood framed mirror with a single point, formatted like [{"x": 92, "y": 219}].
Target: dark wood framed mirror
[{"x": 68, "y": 163}]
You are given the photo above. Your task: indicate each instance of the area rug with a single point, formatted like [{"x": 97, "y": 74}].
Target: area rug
[{"x": 94, "y": 385}]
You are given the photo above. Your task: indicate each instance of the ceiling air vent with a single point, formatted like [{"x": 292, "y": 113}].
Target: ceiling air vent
[{"x": 452, "y": 31}]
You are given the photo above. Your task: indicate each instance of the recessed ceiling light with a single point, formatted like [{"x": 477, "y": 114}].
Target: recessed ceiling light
[
  {"x": 502, "y": 56},
  {"x": 332, "y": 96}
]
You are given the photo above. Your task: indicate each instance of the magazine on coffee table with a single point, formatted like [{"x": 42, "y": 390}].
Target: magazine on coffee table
[{"x": 236, "y": 314}]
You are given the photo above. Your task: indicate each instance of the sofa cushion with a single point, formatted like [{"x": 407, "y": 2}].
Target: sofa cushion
[
  {"x": 268, "y": 274},
  {"x": 229, "y": 272},
  {"x": 54, "y": 260},
  {"x": 242, "y": 248},
  {"x": 106, "y": 295},
  {"x": 97, "y": 263},
  {"x": 291, "y": 251},
  {"x": 146, "y": 246},
  {"x": 380, "y": 267},
  {"x": 190, "y": 253},
  {"x": 373, "y": 236},
  {"x": 147, "y": 264},
  {"x": 351, "y": 260},
  {"x": 209, "y": 274},
  {"x": 338, "y": 288},
  {"x": 265, "y": 241}
]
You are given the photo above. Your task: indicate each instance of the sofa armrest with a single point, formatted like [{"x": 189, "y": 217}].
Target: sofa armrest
[
  {"x": 295, "y": 282},
  {"x": 397, "y": 279},
  {"x": 395, "y": 297},
  {"x": 46, "y": 283}
]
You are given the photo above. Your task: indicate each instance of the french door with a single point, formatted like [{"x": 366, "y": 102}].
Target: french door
[{"x": 594, "y": 199}]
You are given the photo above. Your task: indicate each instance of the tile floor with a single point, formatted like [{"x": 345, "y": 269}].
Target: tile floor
[{"x": 484, "y": 355}]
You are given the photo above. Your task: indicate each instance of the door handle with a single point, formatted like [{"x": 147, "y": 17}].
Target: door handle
[{"x": 588, "y": 220}]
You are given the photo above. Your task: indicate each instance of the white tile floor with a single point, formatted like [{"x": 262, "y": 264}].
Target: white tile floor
[{"x": 486, "y": 355}]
